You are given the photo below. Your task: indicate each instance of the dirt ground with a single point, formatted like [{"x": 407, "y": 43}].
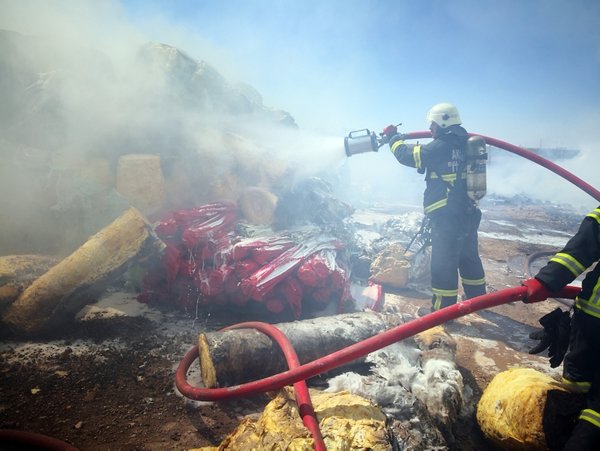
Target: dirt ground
[{"x": 109, "y": 384}]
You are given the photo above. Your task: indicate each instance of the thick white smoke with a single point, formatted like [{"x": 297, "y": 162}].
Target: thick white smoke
[{"x": 111, "y": 101}]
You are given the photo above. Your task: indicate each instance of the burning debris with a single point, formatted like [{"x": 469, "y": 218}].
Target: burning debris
[{"x": 418, "y": 385}]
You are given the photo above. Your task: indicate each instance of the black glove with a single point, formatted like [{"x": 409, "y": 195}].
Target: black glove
[{"x": 554, "y": 336}]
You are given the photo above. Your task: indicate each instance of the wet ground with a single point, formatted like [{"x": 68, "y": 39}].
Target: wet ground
[{"x": 108, "y": 384}]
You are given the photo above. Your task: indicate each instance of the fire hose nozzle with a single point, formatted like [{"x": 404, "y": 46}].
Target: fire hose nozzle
[
  {"x": 364, "y": 140},
  {"x": 361, "y": 141}
]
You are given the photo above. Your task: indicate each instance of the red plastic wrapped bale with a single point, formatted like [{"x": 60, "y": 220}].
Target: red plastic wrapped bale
[
  {"x": 267, "y": 252},
  {"x": 317, "y": 269},
  {"x": 263, "y": 280},
  {"x": 323, "y": 295},
  {"x": 210, "y": 281},
  {"x": 257, "y": 285},
  {"x": 324, "y": 263},
  {"x": 167, "y": 229},
  {"x": 215, "y": 227},
  {"x": 307, "y": 275},
  {"x": 292, "y": 291},
  {"x": 260, "y": 250},
  {"x": 245, "y": 268},
  {"x": 231, "y": 284},
  {"x": 188, "y": 267},
  {"x": 186, "y": 217},
  {"x": 338, "y": 278},
  {"x": 203, "y": 267},
  {"x": 172, "y": 262}
]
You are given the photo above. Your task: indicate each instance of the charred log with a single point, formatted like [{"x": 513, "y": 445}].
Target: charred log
[{"x": 242, "y": 355}]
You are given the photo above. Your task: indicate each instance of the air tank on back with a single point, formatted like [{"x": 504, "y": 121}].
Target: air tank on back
[{"x": 476, "y": 157}]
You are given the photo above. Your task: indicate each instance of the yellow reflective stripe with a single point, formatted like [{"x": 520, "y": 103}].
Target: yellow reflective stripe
[
  {"x": 417, "y": 156},
  {"x": 587, "y": 307},
  {"x": 446, "y": 177},
  {"x": 473, "y": 281},
  {"x": 439, "y": 295},
  {"x": 436, "y": 205},
  {"x": 569, "y": 262},
  {"x": 440, "y": 292},
  {"x": 590, "y": 415},
  {"x": 595, "y": 296},
  {"x": 576, "y": 387},
  {"x": 595, "y": 215},
  {"x": 395, "y": 146}
]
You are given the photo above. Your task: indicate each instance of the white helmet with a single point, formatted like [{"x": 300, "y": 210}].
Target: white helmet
[{"x": 444, "y": 114}]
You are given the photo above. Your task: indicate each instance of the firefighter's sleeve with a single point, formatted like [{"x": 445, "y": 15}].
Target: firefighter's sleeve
[
  {"x": 580, "y": 252},
  {"x": 406, "y": 154}
]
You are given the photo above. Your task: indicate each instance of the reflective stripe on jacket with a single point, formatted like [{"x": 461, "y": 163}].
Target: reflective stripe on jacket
[
  {"x": 581, "y": 252},
  {"x": 442, "y": 161}
]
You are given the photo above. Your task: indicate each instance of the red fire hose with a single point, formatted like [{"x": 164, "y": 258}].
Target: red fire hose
[
  {"x": 32, "y": 441},
  {"x": 352, "y": 352},
  {"x": 305, "y": 407},
  {"x": 530, "y": 156},
  {"x": 529, "y": 262},
  {"x": 297, "y": 373}
]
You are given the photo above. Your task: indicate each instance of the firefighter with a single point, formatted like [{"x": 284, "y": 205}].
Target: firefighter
[
  {"x": 453, "y": 216},
  {"x": 581, "y": 367}
]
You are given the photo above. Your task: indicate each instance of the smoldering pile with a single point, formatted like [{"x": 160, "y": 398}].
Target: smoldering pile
[{"x": 418, "y": 385}]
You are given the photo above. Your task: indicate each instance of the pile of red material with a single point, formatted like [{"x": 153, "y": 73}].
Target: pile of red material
[{"x": 206, "y": 263}]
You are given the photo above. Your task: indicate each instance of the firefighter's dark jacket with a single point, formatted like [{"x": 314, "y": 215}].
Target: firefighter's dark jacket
[
  {"x": 581, "y": 252},
  {"x": 442, "y": 161}
]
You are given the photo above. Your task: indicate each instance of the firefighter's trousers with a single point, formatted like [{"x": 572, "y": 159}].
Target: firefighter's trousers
[
  {"x": 454, "y": 252},
  {"x": 581, "y": 372}
]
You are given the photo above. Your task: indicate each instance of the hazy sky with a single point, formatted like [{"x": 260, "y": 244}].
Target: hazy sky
[
  {"x": 526, "y": 72},
  {"x": 523, "y": 71}
]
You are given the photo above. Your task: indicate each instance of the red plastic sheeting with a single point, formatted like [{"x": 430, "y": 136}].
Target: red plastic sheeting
[{"x": 206, "y": 263}]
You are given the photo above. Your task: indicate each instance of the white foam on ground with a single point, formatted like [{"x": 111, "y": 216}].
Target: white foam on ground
[{"x": 118, "y": 304}]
